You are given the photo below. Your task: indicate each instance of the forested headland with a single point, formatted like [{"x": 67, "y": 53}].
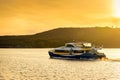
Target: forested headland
[{"x": 108, "y": 37}]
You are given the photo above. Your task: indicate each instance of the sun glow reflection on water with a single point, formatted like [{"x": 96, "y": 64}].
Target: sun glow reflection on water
[{"x": 35, "y": 64}]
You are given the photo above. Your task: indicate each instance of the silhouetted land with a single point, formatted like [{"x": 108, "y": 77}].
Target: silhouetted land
[{"x": 108, "y": 37}]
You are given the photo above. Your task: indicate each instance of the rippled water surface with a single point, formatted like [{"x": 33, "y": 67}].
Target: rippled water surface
[{"x": 35, "y": 64}]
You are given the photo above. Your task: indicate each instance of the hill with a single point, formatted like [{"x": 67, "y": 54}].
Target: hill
[{"x": 108, "y": 37}]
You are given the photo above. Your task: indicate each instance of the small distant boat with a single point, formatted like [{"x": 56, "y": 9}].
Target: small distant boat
[{"x": 79, "y": 50}]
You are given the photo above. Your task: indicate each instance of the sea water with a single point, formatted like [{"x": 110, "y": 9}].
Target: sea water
[{"x": 35, "y": 64}]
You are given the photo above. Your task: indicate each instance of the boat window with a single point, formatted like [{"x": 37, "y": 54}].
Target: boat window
[{"x": 69, "y": 45}]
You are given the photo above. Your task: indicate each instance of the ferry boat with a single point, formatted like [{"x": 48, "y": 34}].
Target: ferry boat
[{"x": 77, "y": 50}]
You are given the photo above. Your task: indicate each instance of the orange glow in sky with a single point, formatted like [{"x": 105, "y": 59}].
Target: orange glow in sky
[
  {"x": 117, "y": 8},
  {"x": 34, "y": 16}
]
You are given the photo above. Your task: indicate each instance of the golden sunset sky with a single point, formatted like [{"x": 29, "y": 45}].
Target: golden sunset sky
[{"x": 19, "y": 17}]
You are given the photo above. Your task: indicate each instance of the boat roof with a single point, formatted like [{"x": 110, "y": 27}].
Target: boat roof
[{"x": 79, "y": 44}]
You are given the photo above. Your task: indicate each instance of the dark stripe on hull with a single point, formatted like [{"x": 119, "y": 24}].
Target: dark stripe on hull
[{"x": 80, "y": 56}]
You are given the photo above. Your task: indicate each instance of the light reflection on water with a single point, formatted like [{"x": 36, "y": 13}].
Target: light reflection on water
[
  {"x": 35, "y": 64},
  {"x": 112, "y": 53}
]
